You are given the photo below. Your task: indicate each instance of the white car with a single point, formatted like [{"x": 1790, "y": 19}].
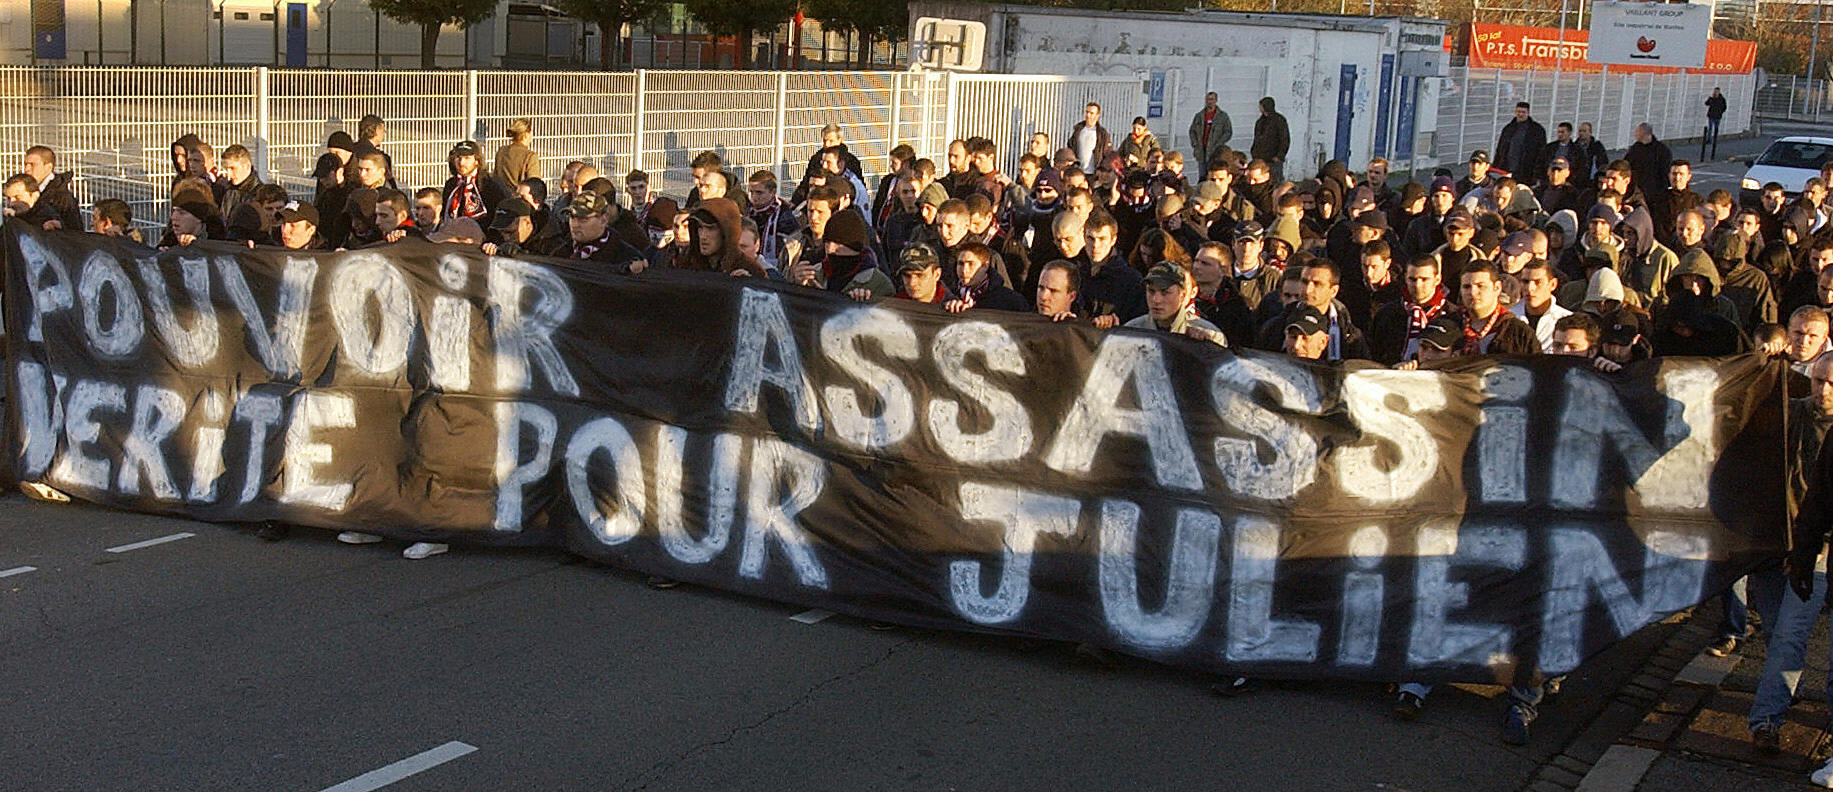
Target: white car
[{"x": 1790, "y": 162}]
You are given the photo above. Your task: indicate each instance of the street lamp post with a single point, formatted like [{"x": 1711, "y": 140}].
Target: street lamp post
[{"x": 1820, "y": 8}]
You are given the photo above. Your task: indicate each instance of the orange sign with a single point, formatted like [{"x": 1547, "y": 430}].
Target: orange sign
[{"x": 1517, "y": 47}]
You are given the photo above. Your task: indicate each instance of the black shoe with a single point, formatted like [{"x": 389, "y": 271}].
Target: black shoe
[
  {"x": 1407, "y": 706},
  {"x": 271, "y": 532},
  {"x": 660, "y": 583},
  {"x": 1235, "y": 687},
  {"x": 1724, "y": 647},
  {"x": 1766, "y": 739},
  {"x": 1515, "y": 725}
]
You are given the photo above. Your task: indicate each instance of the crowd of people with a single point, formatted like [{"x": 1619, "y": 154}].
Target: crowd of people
[{"x": 1545, "y": 246}]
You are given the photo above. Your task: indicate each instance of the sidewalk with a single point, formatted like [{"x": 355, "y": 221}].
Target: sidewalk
[{"x": 1693, "y": 734}]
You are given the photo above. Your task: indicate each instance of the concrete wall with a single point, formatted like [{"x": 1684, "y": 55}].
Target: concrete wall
[{"x": 1297, "y": 60}]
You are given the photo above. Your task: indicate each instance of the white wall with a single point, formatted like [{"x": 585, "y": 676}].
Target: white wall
[{"x": 1300, "y": 67}]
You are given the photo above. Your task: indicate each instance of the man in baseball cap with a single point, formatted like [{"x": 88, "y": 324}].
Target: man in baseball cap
[
  {"x": 591, "y": 237},
  {"x": 299, "y": 227},
  {"x": 919, "y": 274},
  {"x": 1557, "y": 192},
  {"x": 511, "y": 227},
  {"x": 1479, "y": 173},
  {"x": 1307, "y": 334},
  {"x": 1170, "y": 305}
]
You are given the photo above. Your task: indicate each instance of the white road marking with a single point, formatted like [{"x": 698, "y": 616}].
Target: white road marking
[
  {"x": 811, "y": 616},
  {"x": 418, "y": 763},
  {"x": 17, "y": 571},
  {"x": 151, "y": 542}
]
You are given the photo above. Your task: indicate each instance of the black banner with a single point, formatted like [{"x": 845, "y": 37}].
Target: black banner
[{"x": 992, "y": 471}]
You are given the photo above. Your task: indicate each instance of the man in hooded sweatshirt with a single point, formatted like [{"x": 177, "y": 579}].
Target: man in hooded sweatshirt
[
  {"x": 1747, "y": 288},
  {"x": 1645, "y": 261},
  {"x": 715, "y": 226},
  {"x": 1690, "y": 321}
]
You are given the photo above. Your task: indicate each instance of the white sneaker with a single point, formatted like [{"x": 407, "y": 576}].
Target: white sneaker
[
  {"x": 419, "y": 550},
  {"x": 1824, "y": 776},
  {"x": 358, "y": 537},
  {"x": 42, "y": 492}
]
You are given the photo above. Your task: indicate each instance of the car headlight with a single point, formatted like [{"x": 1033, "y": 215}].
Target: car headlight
[{"x": 1751, "y": 184}]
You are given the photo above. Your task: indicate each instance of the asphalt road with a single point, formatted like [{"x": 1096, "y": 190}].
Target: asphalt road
[{"x": 220, "y": 662}]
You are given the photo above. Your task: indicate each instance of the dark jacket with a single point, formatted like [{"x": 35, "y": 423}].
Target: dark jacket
[
  {"x": 55, "y": 197},
  {"x": 1519, "y": 147},
  {"x": 1592, "y": 160},
  {"x": 1271, "y": 138},
  {"x": 607, "y": 249},
  {"x": 1554, "y": 198},
  {"x": 1352, "y": 344},
  {"x": 1228, "y": 312},
  {"x": 1104, "y": 143},
  {"x": 1512, "y": 336},
  {"x": 491, "y": 190},
  {"x": 1116, "y": 289},
  {"x": 1648, "y": 165}
]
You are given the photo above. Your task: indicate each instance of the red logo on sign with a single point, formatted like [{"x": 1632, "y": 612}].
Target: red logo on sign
[{"x": 1645, "y": 44}]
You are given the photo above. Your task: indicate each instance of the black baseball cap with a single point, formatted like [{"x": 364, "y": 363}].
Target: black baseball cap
[
  {"x": 1307, "y": 321},
  {"x": 510, "y": 210},
  {"x": 1622, "y": 333},
  {"x": 295, "y": 211},
  {"x": 1440, "y": 335},
  {"x": 1250, "y": 229},
  {"x": 1480, "y": 156}
]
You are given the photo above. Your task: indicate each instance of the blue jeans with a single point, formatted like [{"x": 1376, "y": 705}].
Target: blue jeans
[
  {"x": 1760, "y": 591},
  {"x": 1788, "y": 645},
  {"x": 1527, "y": 697}
]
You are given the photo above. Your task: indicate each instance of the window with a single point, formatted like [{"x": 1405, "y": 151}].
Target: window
[
  {"x": 241, "y": 15},
  {"x": 1795, "y": 154},
  {"x": 267, "y": 17}
]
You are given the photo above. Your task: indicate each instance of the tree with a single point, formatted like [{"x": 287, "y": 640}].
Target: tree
[
  {"x": 741, "y": 19},
  {"x": 873, "y": 20},
  {"x": 431, "y": 15},
  {"x": 610, "y": 16}
]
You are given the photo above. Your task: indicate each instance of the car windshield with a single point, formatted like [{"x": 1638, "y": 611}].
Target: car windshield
[{"x": 1795, "y": 154}]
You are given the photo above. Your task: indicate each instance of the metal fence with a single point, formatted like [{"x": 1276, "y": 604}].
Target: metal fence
[
  {"x": 1009, "y": 109},
  {"x": 1474, "y": 105},
  {"x": 114, "y": 126},
  {"x": 1791, "y": 98}
]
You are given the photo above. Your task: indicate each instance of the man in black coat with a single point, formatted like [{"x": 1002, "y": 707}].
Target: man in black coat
[
  {"x": 1272, "y": 139},
  {"x": 1648, "y": 161},
  {"x": 54, "y": 196},
  {"x": 1519, "y": 146}
]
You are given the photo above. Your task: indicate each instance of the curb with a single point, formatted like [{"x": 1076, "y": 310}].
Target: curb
[{"x": 1612, "y": 752}]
